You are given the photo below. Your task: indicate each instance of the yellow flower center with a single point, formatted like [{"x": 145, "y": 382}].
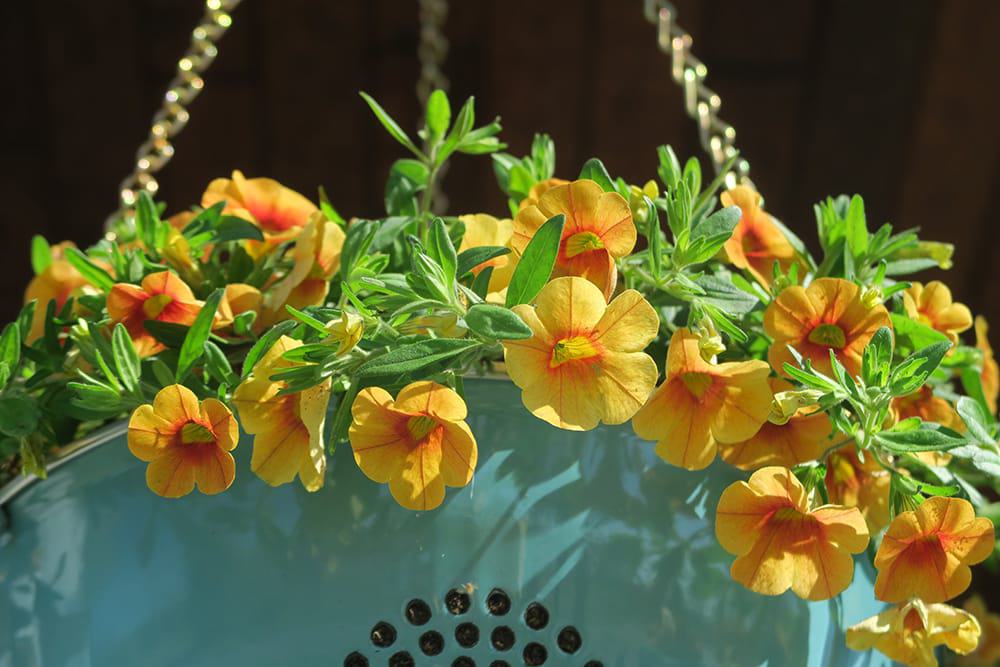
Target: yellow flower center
[
  {"x": 697, "y": 383},
  {"x": 582, "y": 242},
  {"x": 828, "y": 335},
  {"x": 194, "y": 433},
  {"x": 420, "y": 426},
  {"x": 572, "y": 349},
  {"x": 154, "y": 305}
]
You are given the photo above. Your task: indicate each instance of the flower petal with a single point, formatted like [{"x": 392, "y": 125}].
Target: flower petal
[
  {"x": 419, "y": 484},
  {"x": 222, "y": 423},
  {"x": 215, "y": 471},
  {"x": 170, "y": 475},
  {"x": 458, "y": 454},
  {"x": 569, "y": 306},
  {"x": 279, "y": 453},
  {"x": 746, "y": 400},
  {"x": 624, "y": 383},
  {"x": 148, "y": 433},
  {"x": 431, "y": 398},
  {"x": 628, "y": 325},
  {"x": 176, "y": 404},
  {"x": 681, "y": 428}
]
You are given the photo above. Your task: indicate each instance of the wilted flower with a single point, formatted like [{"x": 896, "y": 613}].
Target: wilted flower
[{"x": 908, "y": 633}]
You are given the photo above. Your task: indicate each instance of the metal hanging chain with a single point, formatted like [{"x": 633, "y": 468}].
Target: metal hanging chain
[
  {"x": 718, "y": 137},
  {"x": 173, "y": 115},
  {"x": 433, "y": 47}
]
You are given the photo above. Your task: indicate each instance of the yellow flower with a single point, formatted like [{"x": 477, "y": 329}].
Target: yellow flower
[
  {"x": 185, "y": 442},
  {"x": 584, "y": 363},
  {"x": 316, "y": 257},
  {"x": 598, "y": 230},
  {"x": 417, "y": 444},
  {"x": 990, "y": 375},
  {"x": 757, "y": 243},
  {"x": 485, "y": 230},
  {"x": 926, "y": 553},
  {"x": 801, "y": 438},
  {"x": 987, "y": 654},
  {"x": 58, "y": 282},
  {"x": 852, "y": 483},
  {"x": 238, "y": 298},
  {"x": 931, "y": 304},
  {"x": 780, "y": 543},
  {"x": 700, "y": 405},
  {"x": 345, "y": 332},
  {"x": 288, "y": 428},
  {"x": 278, "y": 211},
  {"x": 908, "y": 633},
  {"x": 827, "y": 315}
]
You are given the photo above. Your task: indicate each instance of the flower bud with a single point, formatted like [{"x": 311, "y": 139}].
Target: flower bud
[
  {"x": 871, "y": 296},
  {"x": 710, "y": 343},
  {"x": 345, "y": 332},
  {"x": 787, "y": 403},
  {"x": 636, "y": 202},
  {"x": 939, "y": 252}
]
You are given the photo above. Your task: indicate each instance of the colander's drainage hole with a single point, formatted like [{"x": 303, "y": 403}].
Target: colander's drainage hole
[
  {"x": 355, "y": 660},
  {"x": 594, "y": 663},
  {"x": 431, "y": 642},
  {"x": 502, "y": 638},
  {"x": 498, "y": 602},
  {"x": 536, "y": 617},
  {"x": 467, "y": 635},
  {"x": 463, "y": 661},
  {"x": 569, "y": 640},
  {"x": 401, "y": 659},
  {"x": 499, "y": 663},
  {"x": 383, "y": 635},
  {"x": 535, "y": 654},
  {"x": 457, "y": 601},
  {"x": 418, "y": 612}
]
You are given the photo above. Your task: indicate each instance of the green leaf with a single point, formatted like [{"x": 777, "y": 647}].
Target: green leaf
[
  {"x": 26, "y": 318},
  {"x": 496, "y": 323},
  {"x": 537, "y": 262},
  {"x": 328, "y": 210},
  {"x": 983, "y": 459},
  {"x": 473, "y": 257},
  {"x": 126, "y": 358},
  {"x": 914, "y": 333},
  {"x": 218, "y": 365},
  {"x": 391, "y": 126},
  {"x": 147, "y": 220},
  {"x": 94, "y": 274},
  {"x": 194, "y": 342},
  {"x": 856, "y": 228},
  {"x": 725, "y": 296},
  {"x": 924, "y": 439},
  {"x": 594, "y": 170},
  {"x": 264, "y": 344},
  {"x": 170, "y": 334},
  {"x": 975, "y": 421},
  {"x": 481, "y": 285},
  {"x": 441, "y": 249},
  {"x": 876, "y": 357},
  {"x": 412, "y": 357},
  {"x": 231, "y": 228},
  {"x": 438, "y": 114},
  {"x": 97, "y": 398},
  {"x": 359, "y": 237},
  {"x": 19, "y": 416},
  {"x": 41, "y": 254},
  {"x": 913, "y": 371},
  {"x": 463, "y": 124},
  {"x": 10, "y": 352},
  {"x": 655, "y": 238}
]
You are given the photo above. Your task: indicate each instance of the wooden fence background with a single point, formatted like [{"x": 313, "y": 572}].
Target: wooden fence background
[{"x": 895, "y": 100}]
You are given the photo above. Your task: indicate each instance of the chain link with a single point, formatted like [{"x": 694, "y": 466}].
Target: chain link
[
  {"x": 702, "y": 104},
  {"x": 433, "y": 47},
  {"x": 172, "y": 116}
]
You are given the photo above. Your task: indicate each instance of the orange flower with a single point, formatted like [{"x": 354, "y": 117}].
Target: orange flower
[
  {"x": 990, "y": 375},
  {"x": 801, "y": 438},
  {"x": 852, "y": 483},
  {"x": 539, "y": 189},
  {"x": 162, "y": 297},
  {"x": 757, "y": 243},
  {"x": 987, "y": 654},
  {"x": 908, "y": 633},
  {"x": 417, "y": 444},
  {"x": 185, "y": 442},
  {"x": 58, "y": 282},
  {"x": 288, "y": 428},
  {"x": 598, "y": 230},
  {"x": 485, "y": 230},
  {"x": 926, "y": 553},
  {"x": 827, "y": 315},
  {"x": 317, "y": 259},
  {"x": 931, "y": 304},
  {"x": 278, "y": 211},
  {"x": 700, "y": 405},
  {"x": 584, "y": 363},
  {"x": 780, "y": 543}
]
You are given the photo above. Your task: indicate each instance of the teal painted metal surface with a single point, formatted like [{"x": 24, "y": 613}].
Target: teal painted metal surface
[{"x": 95, "y": 570}]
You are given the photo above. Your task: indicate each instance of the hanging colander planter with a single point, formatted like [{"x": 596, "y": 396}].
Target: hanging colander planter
[{"x": 457, "y": 416}]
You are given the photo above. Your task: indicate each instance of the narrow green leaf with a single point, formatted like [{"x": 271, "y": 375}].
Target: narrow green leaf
[
  {"x": 194, "y": 342},
  {"x": 438, "y": 114},
  {"x": 231, "y": 228},
  {"x": 126, "y": 358},
  {"x": 914, "y": 333},
  {"x": 918, "y": 440},
  {"x": 19, "y": 416},
  {"x": 391, "y": 126},
  {"x": 94, "y": 274},
  {"x": 412, "y": 357},
  {"x": 10, "y": 352},
  {"x": 594, "y": 170},
  {"x": 442, "y": 250},
  {"x": 218, "y": 365},
  {"x": 473, "y": 257},
  {"x": 41, "y": 254},
  {"x": 264, "y": 344},
  {"x": 975, "y": 421},
  {"x": 537, "y": 262}
]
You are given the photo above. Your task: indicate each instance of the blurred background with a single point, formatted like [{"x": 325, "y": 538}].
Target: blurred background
[{"x": 893, "y": 100}]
